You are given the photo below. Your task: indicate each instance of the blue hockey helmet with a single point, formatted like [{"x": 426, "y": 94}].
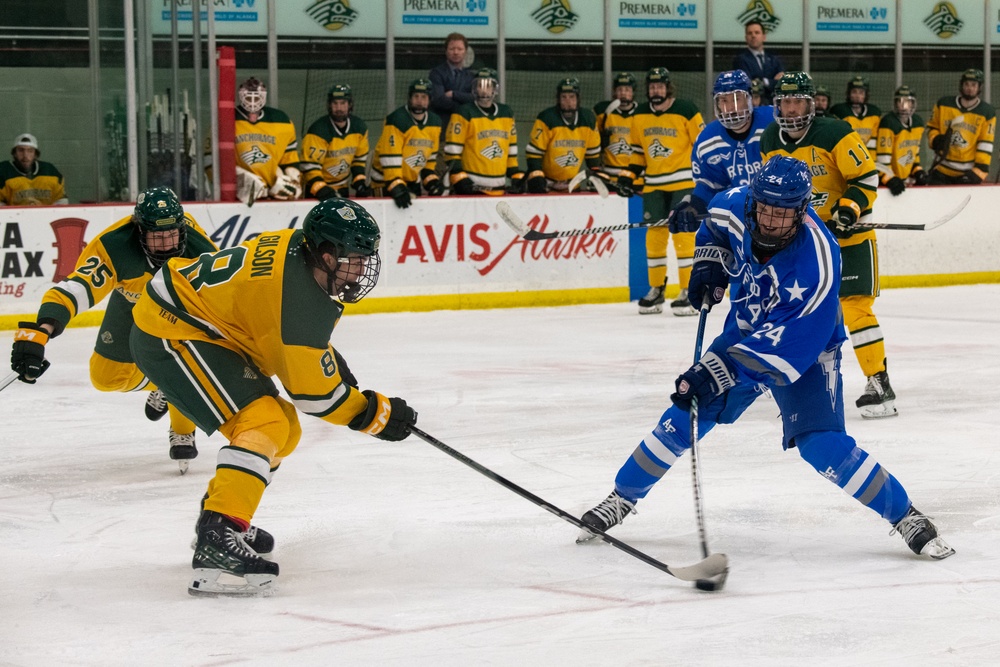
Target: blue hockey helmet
[
  {"x": 783, "y": 184},
  {"x": 732, "y": 91}
]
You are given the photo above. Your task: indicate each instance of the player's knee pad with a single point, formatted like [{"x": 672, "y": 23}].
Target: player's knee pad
[
  {"x": 833, "y": 454},
  {"x": 108, "y": 375},
  {"x": 262, "y": 427},
  {"x": 858, "y": 311}
]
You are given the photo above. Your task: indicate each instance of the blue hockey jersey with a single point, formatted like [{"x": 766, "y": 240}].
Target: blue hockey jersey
[
  {"x": 718, "y": 161},
  {"x": 785, "y": 311}
]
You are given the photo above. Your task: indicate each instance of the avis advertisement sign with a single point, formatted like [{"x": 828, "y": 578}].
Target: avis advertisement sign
[{"x": 436, "y": 247}]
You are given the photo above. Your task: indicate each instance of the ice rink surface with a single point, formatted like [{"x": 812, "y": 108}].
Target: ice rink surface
[{"x": 397, "y": 554}]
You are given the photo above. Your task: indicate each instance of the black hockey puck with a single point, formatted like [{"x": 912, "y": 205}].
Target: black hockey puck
[{"x": 707, "y": 585}]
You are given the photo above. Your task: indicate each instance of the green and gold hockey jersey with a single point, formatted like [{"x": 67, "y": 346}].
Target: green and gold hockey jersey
[
  {"x": 42, "y": 187},
  {"x": 407, "y": 147},
  {"x": 561, "y": 150},
  {"x": 259, "y": 299},
  {"x": 483, "y": 144},
  {"x": 843, "y": 171},
  {"x": 971, "y": 147},
  {"x": 334, "y": 156},
  {"x": 113, "y": 261},
  {"x": 264, "y": 146},
  {"x": 661, "y": 143},
  {"x": 865, "y": 122},
  {"x": 615, "y": 130},
  {"x": 898, "y": 152}
]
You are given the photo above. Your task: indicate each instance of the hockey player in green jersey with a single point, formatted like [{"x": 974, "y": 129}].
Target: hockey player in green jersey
[
  {"x": 117, "y": 265},
  {"x": 961, "y": 134},
  {"x": 899, "y": 135},
  {"x": 563, "y": 141}
]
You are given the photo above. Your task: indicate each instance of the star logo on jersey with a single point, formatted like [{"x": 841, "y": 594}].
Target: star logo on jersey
[
  {"x": 795, "y": 292},
  {"x": 656, "y": 149},
  {"x": 417, "y": 161},
  {"x": 493, "y": 151},
  {"x": 337, "y": 169},
  {"x": 254, "y": 156},
  {"x": 620, "y": 147},
  {"x": 567, "y": 160}
]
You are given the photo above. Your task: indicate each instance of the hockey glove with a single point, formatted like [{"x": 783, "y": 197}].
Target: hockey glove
[
  {"x": 707, "y": 379},
  {"x": 708, "y": 276},
  {"x": 625, "y": 188},
  {"x": 842, "y": 223},
  {"x": 896, "y": 186},
  {"x": 433, "y": 185},
  {"x": 518, "y": 183},
  {"x": 27, "y": 356},
  {"x": 536, "y": 183},
  {"x": 400, "y": 193},
  {"x": 919, "y": 177},
  {"x": 287, "y": 185},
  {"x": 687, "y": 215},
  {"x": 325, "y": 192},
  {"x": 386, "y": 418},
  {"x": 971, "y": 178},
  {"x": 361, "y": 188},
  {"x": 345, "y": 372},
  {"x": 462, "y": 185},
  {"x": 942, "y": 142}
]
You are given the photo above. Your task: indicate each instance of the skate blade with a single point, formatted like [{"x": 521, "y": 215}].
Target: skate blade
[
  {"x": 683, "y": 311},
  {"x": 206, "y": 583},
  {"x": 880, "y": 411},
  {"x": 585, "y": 536},
  {"x": 937, "y": 549},
  {"x": 182, "y": 465},
  {"x": 650, "y": 310}
]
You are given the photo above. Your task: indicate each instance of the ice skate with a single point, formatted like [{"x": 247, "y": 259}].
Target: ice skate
[
  {"x": 610, "y": 512},
  {"x": 156, "y": 405},
  {"x": 879, "y": 400},
  {"x": 921, "y": 535},
  {"x": 258, "y": 539},
  {"x": 182, "y": 449},
  {"x": 223, "y": 563},
  {"x": 652, "y": 302},
  {"x": 681, "y": 306}
]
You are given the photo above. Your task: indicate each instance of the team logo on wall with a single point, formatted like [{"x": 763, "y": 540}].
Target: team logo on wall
[
  {"x": 762, "y": 12},
  {"x": 944, "y": 21},
  {"x": 556, "y": 16},
  {"x": 333, "y": 14}
]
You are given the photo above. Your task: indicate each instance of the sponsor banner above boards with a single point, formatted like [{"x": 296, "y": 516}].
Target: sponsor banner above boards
[{"x": 435, "y": 247}]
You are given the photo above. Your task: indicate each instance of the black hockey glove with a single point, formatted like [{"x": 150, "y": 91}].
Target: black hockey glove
[
  {"x": 345, "y": 371},
  {"x": 708, "y": 276},
  {"x": 942, "y": 142},
  {"x": 971, "y": 178},
  {"x": 919, "y": 177},
  {"x": 536, "y": 183},
  {"x": 896, "y": 186},
  {"x": 463, "y": 186},
  {"x": 433, "y": 185},
  {"x": 361, "y": 188},
  {"x": 386, "y": 418},
  {"x": 707, "y": 379},
  {"x": 842, "y": 223},
  {"x": 325, "y": 192},
  {"x": 625, "y": 188},
  {"x": 27, "y": 356},
  {"x": 687, "y": 215},
  {"x": 518, "y": 183},
  {"x": 400, "y": 193}
]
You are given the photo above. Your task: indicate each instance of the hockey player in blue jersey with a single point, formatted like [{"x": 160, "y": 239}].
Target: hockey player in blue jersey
[
  {"x": 783, "y": 333},
  {"x": 726, "y": 154}
]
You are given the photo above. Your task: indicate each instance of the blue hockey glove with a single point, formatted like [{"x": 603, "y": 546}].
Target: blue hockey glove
[
  {"x": 709, "y": 278},
  {"x": 707, "y": 379},
  {"x": 687, "y": 215}
]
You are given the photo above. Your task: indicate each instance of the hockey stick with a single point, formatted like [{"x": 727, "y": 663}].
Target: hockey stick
[
  {"x": 518, "y": 225},
  {"x": 596, "y": 181},
  {"x": 709, "y": 567},
  {"x": 718, "y": 581},
  {"x": 921, "y": 227},
  {"x": 7, "y": 380}
]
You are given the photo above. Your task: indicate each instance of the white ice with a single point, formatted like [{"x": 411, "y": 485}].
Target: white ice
[{"x": 397, "y": 554}]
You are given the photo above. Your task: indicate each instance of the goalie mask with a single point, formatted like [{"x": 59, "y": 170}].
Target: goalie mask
[
  {"x": 731, "y": 97},
  {"x": 347, "y": 231},
  {"x": 779, "y": 197},
  {"x": 162, "y": 225},
  {"x": 252, "y": 96}
]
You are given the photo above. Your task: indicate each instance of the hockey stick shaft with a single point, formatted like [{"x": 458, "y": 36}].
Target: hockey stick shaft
[
  {"x": 518, "y": 225},
  {"x": 921, "y": 227},
  {"x": 700, "y": 570},
  {"x": 699, "y": 509},
  {"x": 7, "y": 380}
]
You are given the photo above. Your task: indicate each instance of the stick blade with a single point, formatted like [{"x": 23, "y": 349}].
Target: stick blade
[
  {"x": 714, "y": 566},
  {"x": 515, "y": 222},
  {"x": 576, "y": 180},
  {"x": 949, "y": 215},
  {"x": 599, "y": 185}
]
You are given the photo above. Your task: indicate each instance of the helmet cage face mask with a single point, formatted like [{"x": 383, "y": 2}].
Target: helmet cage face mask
[
  {"x": 345, "y": 230},
  {"x": 904, "y": 106},
  {"x": 780, "y": 193},
  {"x": 794, "y": 123},
  {"x": 485, "y": 91},
  {"x": 253, "y": 95},
  {"x": 790, "y": 217},
  {"x": 157, "y": 210},
  {"x": 740, "y": 108}
]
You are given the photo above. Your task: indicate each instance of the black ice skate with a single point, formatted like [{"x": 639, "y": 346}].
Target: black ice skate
[
  {"x": 223, "y": 563},
  {"x": 182, "y": 449},
  {"x": 681, "y": 306},
  {"x": 921, "y": 536},
  {"x": 610, "y": 512},
  {"x": 653, "y": 301},
  {"x": 156, "y": 405},
  {"x": 258, "y": 539},
  {"x": 879, "y": 399}
]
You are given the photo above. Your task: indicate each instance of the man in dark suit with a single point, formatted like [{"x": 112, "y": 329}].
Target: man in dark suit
[
  {"x": 756, "y": 63},
  {"x": 451, "y": 81}
]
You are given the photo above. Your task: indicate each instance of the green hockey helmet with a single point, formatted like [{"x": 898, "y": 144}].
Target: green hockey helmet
[
  {"x": 158, "y": 210},
  {"x": 795, "y": 85},
  {"x": 904, "y": 102},
  {"x": 569, "y": 85},
  {"x": 823, "y": 91},
  {"x": 658, "y": 75},
  {"x": 485, "y": 86},
  {"x": 419, "y": 86},
  {"x": 340, "y": 91},
  {"x": 623, "y": 79},
  {"x": 346, "y": 230},
  {"x": 973, "y": 74},
  {"x": 858, "y": 81}
]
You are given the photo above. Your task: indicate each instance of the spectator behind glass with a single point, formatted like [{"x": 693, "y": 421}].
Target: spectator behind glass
[
  {"x": 756, "y": 63},
  {"x": 26, "y": 180},
  {"x": 451, "y": 81}
]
